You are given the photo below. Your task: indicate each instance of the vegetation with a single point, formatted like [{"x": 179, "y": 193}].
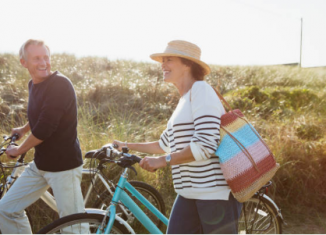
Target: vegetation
[{"x": 127, "y": 100}]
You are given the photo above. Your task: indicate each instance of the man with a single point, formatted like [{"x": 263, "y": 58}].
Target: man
[{"x": 52, "y": 120}]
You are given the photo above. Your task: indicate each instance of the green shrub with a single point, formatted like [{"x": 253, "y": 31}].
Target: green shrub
[
  {"x": 309, "y": 132},
  {"x": 274, "y": 102},
  {"x": 128, "y": 100}
]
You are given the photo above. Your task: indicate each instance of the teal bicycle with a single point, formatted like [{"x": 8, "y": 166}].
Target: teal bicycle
[
  {"x": 108, "y": 221},
  {"x": 259, "y": 214},
  {"x": 98, "y": 195}
]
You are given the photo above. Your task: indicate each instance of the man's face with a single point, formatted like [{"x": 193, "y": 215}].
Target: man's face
[{"x": 37, "y": 61}]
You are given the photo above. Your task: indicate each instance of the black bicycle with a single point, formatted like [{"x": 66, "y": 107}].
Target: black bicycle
[{"x": 260, "y": 214}]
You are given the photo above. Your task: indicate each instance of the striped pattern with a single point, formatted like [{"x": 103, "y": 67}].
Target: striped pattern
[
  {"x": 243, "y": 178},
  {"x": 194, "y": 123},
  {"x": 204, "y": 132},
  {"x": 198, "y": 176}
]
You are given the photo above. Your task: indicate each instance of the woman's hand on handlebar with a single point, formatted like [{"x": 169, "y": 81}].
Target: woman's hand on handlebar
[
  {"x": 119, "y": 144},
  {"x": 151, "y": 164}
]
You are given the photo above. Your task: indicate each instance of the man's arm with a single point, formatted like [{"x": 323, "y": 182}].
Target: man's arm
[
  {"x": 21, "y": 131},
  {"x": 30, "y": 142}
]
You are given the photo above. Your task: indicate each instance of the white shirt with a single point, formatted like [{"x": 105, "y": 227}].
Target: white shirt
[{"x": 196, "y": 122}]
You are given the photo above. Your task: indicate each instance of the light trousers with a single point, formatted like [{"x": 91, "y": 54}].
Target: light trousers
[{"x": 30, "y": 186}]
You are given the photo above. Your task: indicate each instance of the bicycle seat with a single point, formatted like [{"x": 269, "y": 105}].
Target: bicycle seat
[
  {"x": 90, "y": 154},
  {"x": 265, "y": 187},
  {"x": 269, "y": 183},
  {"x": 98, "y": 154}
]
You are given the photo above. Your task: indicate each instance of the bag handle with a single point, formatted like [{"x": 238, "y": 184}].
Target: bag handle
[
  {"x": 222, "y": 98},
  {"x": 244, "y": 150}
]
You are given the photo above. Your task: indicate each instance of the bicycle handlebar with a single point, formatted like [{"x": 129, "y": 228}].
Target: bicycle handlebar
[
  {"x": 12, "y": 139},
  {"x": 124, "y": 156},
  {"x": 6, "y": 138},
  {"x": 109, "y": 153}
]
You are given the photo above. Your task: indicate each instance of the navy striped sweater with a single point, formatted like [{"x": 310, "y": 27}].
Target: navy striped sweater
[{"x": 196, "y": 122}]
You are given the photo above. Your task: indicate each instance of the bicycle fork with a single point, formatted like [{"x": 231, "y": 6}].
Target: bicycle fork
[
  {"x": 121, "y": 195},
  {"x": 114, "y": 202}
]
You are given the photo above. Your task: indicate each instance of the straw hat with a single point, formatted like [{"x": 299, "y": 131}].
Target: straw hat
[{"x": 185, "y": 50}]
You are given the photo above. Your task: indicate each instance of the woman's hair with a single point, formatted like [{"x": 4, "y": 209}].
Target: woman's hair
[
  {"x": 22, "y": 51},
  {"x": 197, "y": 72}
]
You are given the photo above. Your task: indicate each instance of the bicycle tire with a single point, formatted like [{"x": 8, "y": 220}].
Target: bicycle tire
[
  {"x": 148, "y": 192},
  {"x": 69, "y": 224},
  {"x": 266, "y": 221}
]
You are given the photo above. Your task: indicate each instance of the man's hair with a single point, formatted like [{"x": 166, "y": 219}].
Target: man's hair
[{"x": 22, "y": 51}]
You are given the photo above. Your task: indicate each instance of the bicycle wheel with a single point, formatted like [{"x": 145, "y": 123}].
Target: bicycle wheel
[
  {"x": 149, "y": 192},
  {"x": 259, "y": 217},
  {"x": 80, "y": 224}
]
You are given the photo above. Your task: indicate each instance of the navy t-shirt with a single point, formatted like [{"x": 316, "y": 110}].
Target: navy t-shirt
[{"x": 52, "y": 116}]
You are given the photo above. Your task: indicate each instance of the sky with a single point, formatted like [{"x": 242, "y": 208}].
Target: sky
[{"x": 229, "y": 32}]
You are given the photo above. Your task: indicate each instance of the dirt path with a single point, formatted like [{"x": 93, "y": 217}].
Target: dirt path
[{"x": 311, "y": 223}]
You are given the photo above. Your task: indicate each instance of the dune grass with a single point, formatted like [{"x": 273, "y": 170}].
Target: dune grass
[{"x": 127, "y": 100}]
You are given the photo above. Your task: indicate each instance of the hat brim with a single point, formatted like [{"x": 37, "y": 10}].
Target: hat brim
[{"x": 159, "y": 58}]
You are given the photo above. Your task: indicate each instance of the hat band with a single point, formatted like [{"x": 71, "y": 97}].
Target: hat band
[{"x": 174, "y": 51}]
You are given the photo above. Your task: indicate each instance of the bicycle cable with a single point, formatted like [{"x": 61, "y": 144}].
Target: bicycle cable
[
  {"x": 4, "y": 177},
  {"x": 92, "y": 171},
  {"x": 5, "y": 186}
]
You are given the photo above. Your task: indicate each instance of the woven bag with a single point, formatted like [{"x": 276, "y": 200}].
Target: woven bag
[{"x": 246, "y": 161}]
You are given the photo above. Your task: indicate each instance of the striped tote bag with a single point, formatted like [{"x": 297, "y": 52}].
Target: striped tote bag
[{"x": 246, "y": 161}]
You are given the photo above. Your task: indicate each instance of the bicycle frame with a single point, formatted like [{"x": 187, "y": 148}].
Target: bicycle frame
[
  {"x": 121, "y": 195},
  {"x": 50, "y": 201},
  {"x": 96, "y": 173}
]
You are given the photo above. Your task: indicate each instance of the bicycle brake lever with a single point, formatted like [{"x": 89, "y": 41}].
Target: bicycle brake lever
[
  {"x": 2, "y": 151},
  {"x": 105, "y": 160},
  {"x": 132, "y": 168},
  {"x": 115, "y": 146}
]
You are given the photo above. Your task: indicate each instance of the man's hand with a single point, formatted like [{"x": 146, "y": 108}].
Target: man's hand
[
  {"x": 30, "y": 142},
  {"x": 13, "y": 152},
  {"x": 21, "y": 131},
  {"x": 151, "y": 164}
]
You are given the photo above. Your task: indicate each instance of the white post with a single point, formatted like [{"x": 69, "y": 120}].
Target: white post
[{"x": 301, "y": 45}]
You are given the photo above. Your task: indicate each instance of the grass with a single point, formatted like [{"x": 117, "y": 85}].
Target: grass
[{"x": 127, "y": 100}]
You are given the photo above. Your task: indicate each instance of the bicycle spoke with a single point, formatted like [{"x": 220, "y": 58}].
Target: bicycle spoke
[
  {"x": 81, "y": 224},
  {"x": 258, "y": 217}
]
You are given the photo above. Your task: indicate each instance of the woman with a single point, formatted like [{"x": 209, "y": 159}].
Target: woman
[{"x": 204, "y": 203}]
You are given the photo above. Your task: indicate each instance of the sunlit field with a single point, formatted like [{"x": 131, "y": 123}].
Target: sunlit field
[{"x": 128, "y": 101}]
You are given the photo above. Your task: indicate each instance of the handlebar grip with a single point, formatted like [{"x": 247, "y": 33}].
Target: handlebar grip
[
  {"x": 115, "y": 146},
  {"x": 136, "y": 158},
  {"x": 14, "y": 137},
  {"x": 13, "y": 157},
  {"x": 12, "y": 142}
]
